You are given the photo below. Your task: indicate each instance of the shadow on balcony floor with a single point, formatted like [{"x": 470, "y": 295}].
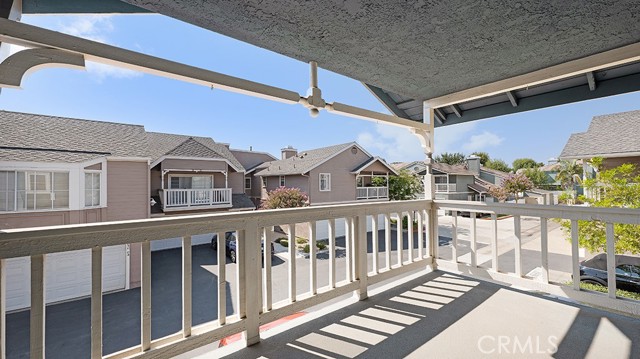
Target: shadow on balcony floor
[{"x": 443, "y": 315}]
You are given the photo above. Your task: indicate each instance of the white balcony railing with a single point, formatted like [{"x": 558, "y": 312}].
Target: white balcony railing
[
  {"x": 176, "y": 198},
  {"x": 445, "y": 187},
  {"x": 254, "y": 292},
  {"x": 372, "y": 192}
]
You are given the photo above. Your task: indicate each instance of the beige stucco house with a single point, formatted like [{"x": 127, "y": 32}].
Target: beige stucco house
[
  {"x": 334, "y": 174},
  {"x": 56, "y": 171}
]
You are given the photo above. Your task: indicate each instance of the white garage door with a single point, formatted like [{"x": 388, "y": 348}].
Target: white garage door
[
  {"x": 67, "y": 276},
  {"x": 171, "y": 243}
]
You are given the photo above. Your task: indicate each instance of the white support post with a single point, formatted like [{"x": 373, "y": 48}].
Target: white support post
[
  {"x": 222, "y": 278},
  {"x": 360, "y": 254},
  {"x": 145, "y": 299},
  {"x": 420, "y": 215},
  {"x": 251, "y": 260},
  {"x": 37, "y": 318},
  {"x": 494, "y": 242},
  {"x": 544, "y": 250},
  {"x": 268, "y": 286},
  {"x": 517, "y": 245},
  {"x": 399, "y": 239},
  {"x": 96, "y": 302},
  {"x": 410, "y": 236},
  {"x": 575, "y": 255},
  {"x": 387, "y": 240},
  {"x": 292, "y": 262},
  {"x": 348, "y": 241},
  {"x": 454, "y": 236},
  {"x": 186, "y": 286},
  {"x": 611, "y": 260},
  {"x": 241, "y": 273},
  {"x": 374, "y": 243},
  {"x": 473, "y": 240},
  {"x": 332, "y": 252},
  {"x": 313, "y": 261}
]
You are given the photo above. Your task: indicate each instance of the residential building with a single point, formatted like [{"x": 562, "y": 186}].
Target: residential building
[
  {"x": 251, "y": 160},
  {"x": 191, "y": 173},
  {"x": 339, "y": 173},
  {"x": 613, "y": 137},
  {"x": 57, "y": 171}
]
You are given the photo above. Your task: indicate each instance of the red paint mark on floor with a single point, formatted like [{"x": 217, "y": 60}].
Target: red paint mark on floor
[{"x": 234, "y": 338}]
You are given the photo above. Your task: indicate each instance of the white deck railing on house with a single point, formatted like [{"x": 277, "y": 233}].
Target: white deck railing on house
[
  {"x": 176, "y": 198},
  {"x": 254, "y": 294},
  {"x": 372, "y": 192},
  {"x": 445, "y": 187}
]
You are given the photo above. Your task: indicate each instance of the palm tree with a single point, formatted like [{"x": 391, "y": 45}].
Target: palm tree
[{"x": 569, "y": 174}]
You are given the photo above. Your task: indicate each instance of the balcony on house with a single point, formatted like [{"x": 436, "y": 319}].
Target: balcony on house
[
  {"x": 371, "y": 186},
  {"x": 468, "y": 280},
  {"x": 187, "y": 192}
]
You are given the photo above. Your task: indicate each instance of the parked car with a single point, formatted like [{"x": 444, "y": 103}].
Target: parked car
[
  {"x": 230, "y": 245},
  {"x": 594, "y": 271}
]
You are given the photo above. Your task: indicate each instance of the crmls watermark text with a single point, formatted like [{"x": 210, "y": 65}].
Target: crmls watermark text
[{"x": 508, "y": 344}]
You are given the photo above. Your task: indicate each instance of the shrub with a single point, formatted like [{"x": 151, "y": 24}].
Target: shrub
[
  {"x": 321, "y": 245},
  {"x": 284, "y": 242},
  {"x": 284, "y": 197},
  {"x": 300, "y": 240},
  {"x": 306, "y": 248}
]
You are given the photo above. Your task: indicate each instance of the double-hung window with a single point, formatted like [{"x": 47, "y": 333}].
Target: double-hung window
[
  {"x": 247, "y": 183},
  {"x": 282, "y": 181},
  {"x": 325, "y": 182},
  {"x": 91, "y": 189},
  {"x": 33, "y": 190}
]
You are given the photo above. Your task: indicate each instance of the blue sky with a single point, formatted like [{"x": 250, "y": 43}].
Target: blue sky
[{"x": 112, "y": 94}]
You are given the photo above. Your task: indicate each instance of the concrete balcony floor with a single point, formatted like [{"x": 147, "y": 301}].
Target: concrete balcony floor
[{"x": 445, "y": 315}]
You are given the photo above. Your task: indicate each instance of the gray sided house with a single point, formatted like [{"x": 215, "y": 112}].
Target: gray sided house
[
  {"x": 56, "y": 171},
  {"x": 251, "y": 161},
  {"x": 334, "y": 174},
  {"x": 615, "y": 137},
  {"x": 190, "y": 173}
]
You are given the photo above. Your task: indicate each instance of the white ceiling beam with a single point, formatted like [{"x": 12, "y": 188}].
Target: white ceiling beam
[
  {"x": 591, "y": 80},
  {"x": 456, "y": 109},
  {"x": 512, "y": 99},
  {"x": 611, "y": 58},
  {"x": 440, "y": 114}
]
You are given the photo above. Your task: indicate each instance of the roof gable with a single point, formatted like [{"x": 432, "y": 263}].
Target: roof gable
[
  {"x": 305, "y": 161},
  {"x": 613, "y": 135}
]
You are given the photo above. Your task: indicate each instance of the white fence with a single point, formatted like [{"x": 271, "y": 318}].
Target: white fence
[
  {"x": 372, "y": 192},
  {"x": 196, "y": 197}
]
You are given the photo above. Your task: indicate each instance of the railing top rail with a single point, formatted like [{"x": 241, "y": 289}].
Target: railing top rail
[
  {"x": 613, "y": 215},
  {"x": 41, "y": 240}
]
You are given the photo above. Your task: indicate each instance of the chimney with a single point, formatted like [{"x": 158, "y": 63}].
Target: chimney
[
  {"x": 473, "y": 164},
  {"x": 289, "y": 152}
]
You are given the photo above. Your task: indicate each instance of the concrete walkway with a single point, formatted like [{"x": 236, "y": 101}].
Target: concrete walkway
[{"x": 442, "y": 315}]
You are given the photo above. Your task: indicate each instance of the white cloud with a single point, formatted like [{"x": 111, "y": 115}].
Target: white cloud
[
  {"x": 392, "y": 143},
  {"x": 96, "y": 28},
  {"x": 482, "y": 141},
  {"x": 448, "y": 138}
]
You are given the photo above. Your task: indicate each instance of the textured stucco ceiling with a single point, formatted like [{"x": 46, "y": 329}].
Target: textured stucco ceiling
[{"x": 419, "y": 49}]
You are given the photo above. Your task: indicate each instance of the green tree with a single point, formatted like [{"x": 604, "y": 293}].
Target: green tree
[
  {"x": 484, "y": 157},
  {"x": 569, "y": 174},
  {"x": 285, "y": 197},
  {"x": 617, "y": 187},
  {"x": 499, "y": 165},
  {"x": 404, "y": 186},
  {"x": 454, "y": 158},
  {"x": 539, "y": 178},
  {"x": 525, "y": 163},
  {"x": 516, "y": 183}
]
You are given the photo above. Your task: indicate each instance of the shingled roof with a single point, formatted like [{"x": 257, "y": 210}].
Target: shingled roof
[
  {"x": 303, "y": 162},
  {"x": 613, "y": 135},
  {"x": 41, "y": 138},
  {"x": 166, "y": 144}
]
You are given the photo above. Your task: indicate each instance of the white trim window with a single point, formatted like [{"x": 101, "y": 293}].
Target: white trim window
[
  {"x": 264, "y": 182},
  {"x": 91, "y": 188},
  {"x": 33, "y": 190},
  {"x": 325, "y": 182},
  {"x": 282, "y": 181},
  {"x": 247, "y": 183}
]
